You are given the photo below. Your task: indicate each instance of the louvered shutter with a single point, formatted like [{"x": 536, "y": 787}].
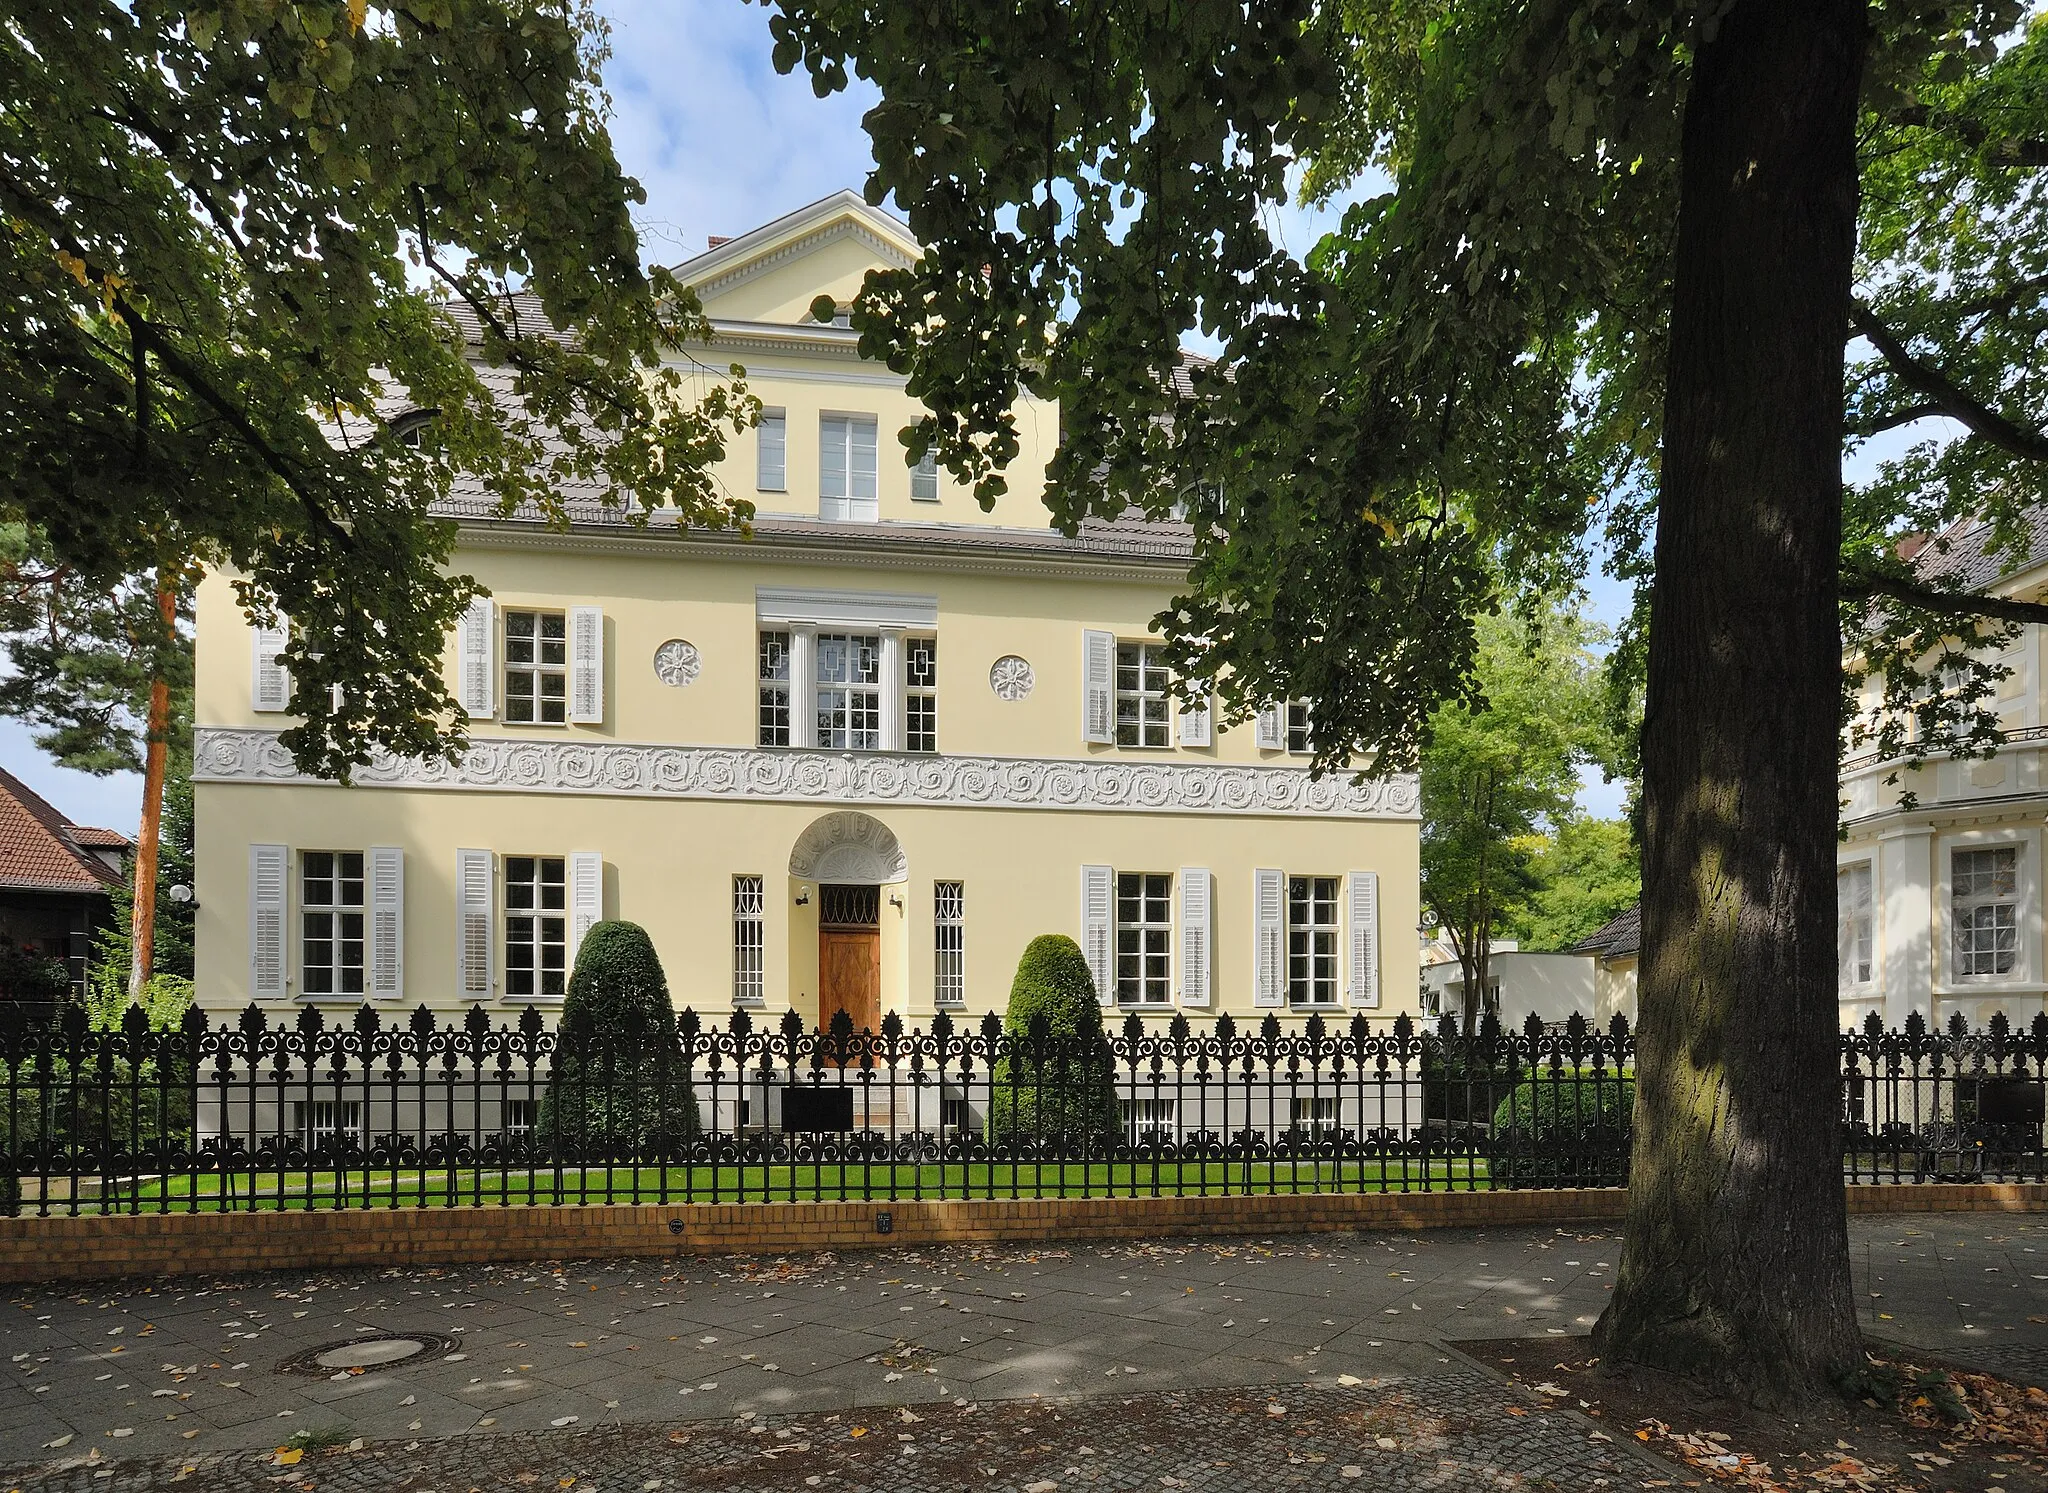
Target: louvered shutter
[
  {"x": 586, "y": 897},
  {"x": 586, "y": 666},
  {"x": 473, "y": 968},
  {"x": 1098, "y": 687},
  {"x": 1365, "y": 938},
  {"x": 387, "y": 922},
  {"x": 1196, "y": 894},
  {"x": 269, "y": 881},
  {"x": 270, "y": 687},
  {"x": 1269, "y": 938},
  {"x": 1270, "y": 731},
  {"x": 1098, "y": 929},
  {"x": 774, "y": 438},
  {"x": 476, "y": 651},
  {"x": 1194, "y": 723}
]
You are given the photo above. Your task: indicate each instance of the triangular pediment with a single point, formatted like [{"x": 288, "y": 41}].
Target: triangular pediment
[{"x": 773, "y": 273}]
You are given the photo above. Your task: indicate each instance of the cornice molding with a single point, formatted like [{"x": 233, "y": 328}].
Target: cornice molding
[{"x": 223, "y": 754}]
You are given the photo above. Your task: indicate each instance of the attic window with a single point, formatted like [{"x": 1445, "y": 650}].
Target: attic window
[
  {"x": 406, "y": 428},
  {"x": 842, "y": 316}
]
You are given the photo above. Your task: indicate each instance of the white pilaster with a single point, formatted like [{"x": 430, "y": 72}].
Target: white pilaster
[
  {"x": 1905, "y": 931},
  {"x": 892, "y": 689},
  {"x": 803, "y": 685}
]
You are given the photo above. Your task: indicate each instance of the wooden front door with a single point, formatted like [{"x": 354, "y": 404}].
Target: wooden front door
[{"x": 850, "y": 976}]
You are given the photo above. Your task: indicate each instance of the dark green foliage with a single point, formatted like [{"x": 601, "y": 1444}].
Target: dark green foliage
[
  {"x": 1464, "y": 1086},
  {"x": 1564, "y": 1129},
  {"x": 617, "y": 1085},
  {"x": 32, "y": 978},
  {"x": 1059, "y": 1086}
]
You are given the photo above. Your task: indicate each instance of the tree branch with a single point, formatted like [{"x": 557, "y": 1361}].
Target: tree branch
[
  {"x": 1867, "y": 584},
  {"x": 1896, "y": 418},
  {"x": 1943, "y": 393},
  {"x": 2011, "y": 151}
]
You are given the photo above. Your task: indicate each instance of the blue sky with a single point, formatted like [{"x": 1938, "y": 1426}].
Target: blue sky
[{"x": 722, "y": 144}]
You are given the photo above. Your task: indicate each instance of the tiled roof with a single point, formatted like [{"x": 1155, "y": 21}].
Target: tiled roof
[
  {"x": 1962, "y": 558},
  {"x": 1621, "y": 936},
  {"x": 41, "y": 850},
  {"x": 90, "y": 838}
]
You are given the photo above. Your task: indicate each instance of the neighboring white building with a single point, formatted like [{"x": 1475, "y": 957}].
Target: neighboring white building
[
  {"x": 1556, "y": 986},
  {"x": 1940, "y": 899}
]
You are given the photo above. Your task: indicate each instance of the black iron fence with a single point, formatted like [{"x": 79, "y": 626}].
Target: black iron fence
[{"x": 307, "y": 1114}]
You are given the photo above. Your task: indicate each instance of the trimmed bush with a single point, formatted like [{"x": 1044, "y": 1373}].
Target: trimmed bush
[
  {"x": 1459, "y": 1087},
  {"x": 1568, "y": 1129},
  {"x": 1066, "y": 1096},
  {"x": 617, "y": 1086}
]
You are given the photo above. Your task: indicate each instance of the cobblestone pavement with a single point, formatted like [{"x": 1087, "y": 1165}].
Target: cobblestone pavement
[{"x": 599, "y": 1366}]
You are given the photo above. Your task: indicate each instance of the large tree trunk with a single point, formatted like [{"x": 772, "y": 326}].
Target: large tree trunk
[
  {"x": 1735, "y": 1268},
  {"x": 142, "y": 925}
]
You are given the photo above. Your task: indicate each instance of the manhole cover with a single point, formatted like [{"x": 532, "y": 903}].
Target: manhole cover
[{"x": 369, "y": 1350}]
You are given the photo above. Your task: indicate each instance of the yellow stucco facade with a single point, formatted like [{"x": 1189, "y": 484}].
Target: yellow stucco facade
[{"x": 941, "y": 749}]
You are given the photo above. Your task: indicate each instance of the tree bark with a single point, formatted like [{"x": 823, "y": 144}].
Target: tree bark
[
  {"x": 142, "y": 925},
  {"x": 1735, "y": 1267}
]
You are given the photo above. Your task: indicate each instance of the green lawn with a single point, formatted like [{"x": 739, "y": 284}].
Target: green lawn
[{"x": 853, "y": 1182}]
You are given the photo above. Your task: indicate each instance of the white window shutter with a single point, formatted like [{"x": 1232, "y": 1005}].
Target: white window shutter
[
  {"x": 476, "y": 637},
  {"x": 586, "y": 666},
  {"x": 1098, "y": 931},
  {"x": 387, "y": 922},
  {"x": 1098, "y": 687},
  {"x": 269, "y": 882},
  {"x": 474, "y": 873},
  {"x": 1269, "y": 937},
  {"x": 774, "y": 443},
  {"x": 270, "y": 687},
  {"x": 1365, "y": 939},
  {"x": 1196, "y": 920},
  {"x": 1270, "y": 731},
  {"x": 1194, "y": 723},
  {"x": 586, "y": 897}
]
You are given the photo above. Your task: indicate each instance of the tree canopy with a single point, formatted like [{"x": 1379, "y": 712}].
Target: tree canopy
[{"x": 235, "y": 233}]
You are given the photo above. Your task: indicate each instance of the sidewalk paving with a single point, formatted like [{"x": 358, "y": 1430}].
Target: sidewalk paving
[{"x": 968, "y": 1366}]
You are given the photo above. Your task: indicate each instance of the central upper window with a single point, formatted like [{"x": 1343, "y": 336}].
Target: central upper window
[
  {"x": 537, "y": 668},
  {"x": 846, "y": 468},
  {"x": 849, "y": 691},
  {"x": 1143, "y": 701}
]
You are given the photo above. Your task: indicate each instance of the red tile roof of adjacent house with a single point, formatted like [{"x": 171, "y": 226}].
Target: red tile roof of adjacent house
[{"x": 42, "y": 851}]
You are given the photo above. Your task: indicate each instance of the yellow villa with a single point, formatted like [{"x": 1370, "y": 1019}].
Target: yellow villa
[{"x": 856, "y": 762}]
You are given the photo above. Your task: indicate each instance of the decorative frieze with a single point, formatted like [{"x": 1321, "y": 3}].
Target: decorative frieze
[{"x": 497, "y": 765}]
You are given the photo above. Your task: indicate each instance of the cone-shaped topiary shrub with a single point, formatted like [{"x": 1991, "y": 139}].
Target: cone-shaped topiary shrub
[
  {"x": 617, "y": 1088},
  {"x": 1058, "y": 1086}
]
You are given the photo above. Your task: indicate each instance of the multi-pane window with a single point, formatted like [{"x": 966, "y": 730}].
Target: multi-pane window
[
  {"x": 748, "y": 941},
  {"x": 537, "y": 667},
  {"x": 924, "y": 479},
  {"x": 331, "y": 922},
  {"x": 1144, "y": 938},
  {"x": 921, "y": 694},
  {"x": 1312, "y": 940},
  {"x": 521, "y": 1115},
  {"x": 536, "y": 925},
  {"x": 1150, "y": 1116},
  {"x": 849, "y": 691},
  {"x": 1297, "y": 727},
  {"x": 949, "y": 943},
  {"x": 320, "y": 1122},
  {"x": 846, "y": 467},
  {"x": 1143, "y": 704},
  {"x": 774, "y": 709},
  {"x": 1853, "y": 914},
  {"x": 1984, "y": 895},
  {"x": 771, "y": 471},
  {"x": 1315, "y": 1113}
]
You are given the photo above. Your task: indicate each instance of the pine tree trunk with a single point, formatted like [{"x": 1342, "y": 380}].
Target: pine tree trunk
[
  {"x": 143, "y": 923},
  {"x": 1735, "y": 1269}
]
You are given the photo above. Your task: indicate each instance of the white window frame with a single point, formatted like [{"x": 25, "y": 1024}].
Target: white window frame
[
  {"x": 535, "y": 671},
  {"x": 1297, "y": 731},
  {"x": 1145, "y": 1113},
  {"x": 749, "y": 940},
  {"x": 314, "y": 1120},
  {"x": 1152, "y": 705},
  {"x": 924, "y": 479},
  {"x": 846, "y": 469},
  {"x": 538, "y": 940},
  {"x": 1146, "y": 939},
  {"x": 949, "y": 944},
  {"x": 1333, "y": 929},
  {"x": 921, "y": 693},
  {"x": 771, "y": 459},
  {"x": 336, "y": 969},
  {"x": 775, "y": 690},
  {"x": 849, "y": 709},
  {"x": 1846, "y": 936},
  {"x": 2027, "y": 895}
]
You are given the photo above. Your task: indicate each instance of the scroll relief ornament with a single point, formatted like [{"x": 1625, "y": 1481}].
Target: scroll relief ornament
[
  {"x": 677, "y": 663},
  {"x": 1011, "y": 678}
]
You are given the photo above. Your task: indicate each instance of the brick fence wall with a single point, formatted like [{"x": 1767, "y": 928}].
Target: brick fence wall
[{"x": 50, "y": 1249}]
